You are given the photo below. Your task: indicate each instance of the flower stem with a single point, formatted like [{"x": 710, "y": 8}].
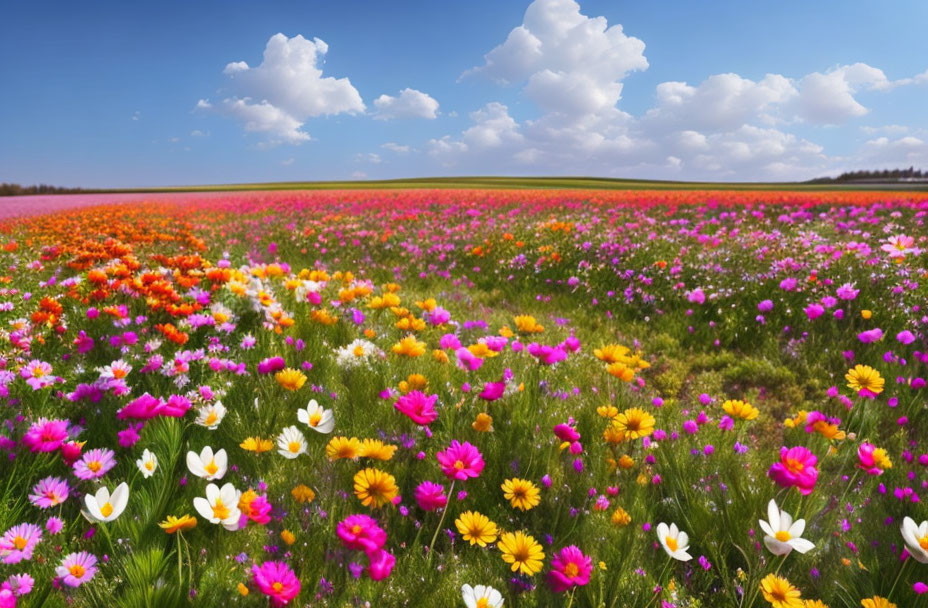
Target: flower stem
[{"x": 441, "y": 521}]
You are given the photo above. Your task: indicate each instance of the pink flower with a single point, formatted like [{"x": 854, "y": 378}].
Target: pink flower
[
  {"x": 77, "y": 568},
  {"x": 468, "y": 360},
  {"x": 18, "y": 543},
  {"x": 7, "y": 597},
  {"x": 419, "y": 407},
  {"x": 46, "y": 435},
  {"x": 569, "y": 568},
  {"x": 872, "y": 459},
  {"x": 38, "y": 374},
  {"x": 795, "y": 468},
  {"x": 361, "y": 533},
  {"x": 460, "y": 461},
  {"x": 143, "y": 408},
  {"x": 271, "y": 365},
  {"x": 549, "y": 355},
  {"x": 381, "y": 566},
  {"x": 95, "y": 464},
  {"x": 50, "y": 492},
  {"x": 277, "y": 581},
  {"x": 493, "y": 391},
  {"x": 565, "y": 432},
  {"x": 870, "y": 336},
  {"x": 20, "y": 584},
  {"x": 431, "y": 496},
  {"x": 905, "y": 337}
]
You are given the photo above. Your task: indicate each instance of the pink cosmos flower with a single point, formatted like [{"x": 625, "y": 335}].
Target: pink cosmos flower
[
  {"x": 143, "y": 408},
  {"x": 277, "y": 581},
  {"x": 872, "y": 459},
  {"x": 20, "y": 584},
  {"x": 492, "y": 391},
  {"x": 7, "y": 597},
  {"x": 95, "y": 464},
  {"x": 460, "y": 461},
  {"x": 71, "y": 451},
  {"x": 382, "y": 563},
  {"x": 361, "y": 533},
  {"x": 468, "y": 360},
  {"x": 18, "y": 543},
  {"x": 431, "y": 496},
  {"x": 419, "y": 407},
  {"x": 50, "y": 492},
  {"x": 38, "y": 374},
  {"x": 795, "y": 468},
  {"x": 46, "y": 435},
  {"x": 569, "y": 568},
  {"x": 77, "y": 568},
  {"x": 549, "y": 355}
]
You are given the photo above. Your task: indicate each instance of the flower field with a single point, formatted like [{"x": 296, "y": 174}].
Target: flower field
[{"x": 467, "y": 398}]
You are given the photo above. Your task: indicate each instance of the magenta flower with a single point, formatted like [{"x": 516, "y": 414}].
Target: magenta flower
[
  {"x": 569, "y": 568},
  {"x": 549, "y": 355},
  {"x": 143, "y": 408},
  {"x": 431, "y": 496},
  {"x": 277, "y": 581},
  {"x": 77, "y": 568},
  {"x": 361, "y": 533},
  {"x": 18, "y": 543},
  {"x": 565, "y": 432},
  {"x": 271, "y": 365},
  {"x": 796, "y": 468},
  {"x": 492, "y": 391},
  {"x": 419, "y": 407},
  {"x": 460, "y": 461},
  {"x": 905, "y": 337},
  {"x": 872, "y": 459},
  {"x": 95, "y": 464},
  {"x": 468, "y": 360},
  {"x": 50, "y": 492},
  {"x": 46, "y": 435},
  {"x": 381, "y": 565},
  {"x": 871, "y": 335}
]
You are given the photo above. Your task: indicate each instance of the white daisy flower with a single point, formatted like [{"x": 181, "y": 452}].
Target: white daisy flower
[
  {"x": 207, "y": 465},
  {"x": 220, "y": 505},
  {"x": 147, "y": 464},
  {"x": 104, "y": 506},
  {"x": 316, "y": 417},
  {"x": 782, "y": 534},
  {"x": 674, "y": 541},
  {"x": 291, "y": 443}
]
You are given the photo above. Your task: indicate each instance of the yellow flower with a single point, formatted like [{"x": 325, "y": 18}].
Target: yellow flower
[
  {"x": 409, "y": 347},
  {"x": 626, "y": 462},
  {"x": 877, "y": 602},
  {"x": 483, "y": 423},
  {"x": 302, "y": 494},
  {"x": 526, "y": 324},
  {"x": 635, "y": 423},
  {"x": 429, "y": 304},
  {"x": 780, "y": 593},
  {"x": 611, "y": 353},
  {"x": 415, "y": 382},
  {"x": 174, "y": 524},
  {"x": 613, "y": 435},
  {"x": 242, "y": 589},
  {"x": 440, "y": 356},
  {"x": 374, "y": 488},
  {"x": 521, "y": 493},
  {"x": 288, "y": 537},
  {"x": 621, "y": 371},
  {"x": 866, "y": 314},
  {"x": 864, "y": 377},
  {"x": 476, "y": 528},
  {"x": 522, "y": 552},
  {"x": 607, "y": 411},
  {"x": 377, "y": 449},
  {"x": 343, "y": 448},
  {"x": 256, "y": 445},
  {"x": 291, "y": 379},
  {"x": 740, "y": 409},
  {"x": 814, "y": 604},
  {"x": 620, "y": 517}
]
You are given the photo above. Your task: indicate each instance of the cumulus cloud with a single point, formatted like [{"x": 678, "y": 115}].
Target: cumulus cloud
[
  {"x": 829, "y": 98},
  {"x": 886, "y": 153},
  {"x": 395, "y": 147},
  {"x": 278, "y": 96},
  {"x": 409, "y": 104}
]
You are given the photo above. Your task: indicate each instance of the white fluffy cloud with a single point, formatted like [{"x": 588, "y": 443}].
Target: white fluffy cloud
[
  {"x": 829, "y": 98},
  {"x": 287, "y": 88},
  {"x": 886, "y": 153},
  {"x": 409, "y": 104}
]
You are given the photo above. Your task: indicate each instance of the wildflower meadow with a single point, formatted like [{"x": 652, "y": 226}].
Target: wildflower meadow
[{"x": 466, "y": 398}]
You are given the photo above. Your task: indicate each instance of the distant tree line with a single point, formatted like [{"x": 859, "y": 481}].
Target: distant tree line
[
  {"x": 871, "y": 175},
  {"x": 17, "y": 190}
]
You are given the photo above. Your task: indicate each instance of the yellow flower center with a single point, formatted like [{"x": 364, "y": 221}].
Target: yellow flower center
[
  {"x": 211, "y": 419},
  {"x": 315, "y": 419},
  {"x": 94, "y": 465},
  {"x": 794, "y": 465},
  {"x": 76, "y": 570},
  {"x": 212, "y": 467},
  {"x": 355, "y": 529},
  {"x": 483, "y": 602},
  {"x": 119, "y": 373},
  {"x": 19, "y": 542},
  {"x": 150, "y": 465},
  {"x": 278, "y": 587},
  {"x": 220, "y": 511},
  {"x": 923, "y": 543},
  {"x": 106, "y": 510},
  {"x": 459, "y": 465},
  {"x": 671, "y": 543},
  {"x": 571, "y": 570},
  {"x": 294, "y": 446},
  {"x": 783, "y": 536},
  {"x": 358, "y": 351},
  {"x": 38, "y": 372}
]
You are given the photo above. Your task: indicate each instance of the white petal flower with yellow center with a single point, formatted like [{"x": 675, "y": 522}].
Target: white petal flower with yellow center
[
  {"x": 147, "y": 464},
  {"x": 220, "y": 505},
  {"x": 211, "y": 415},
  {"x": 916, "y": 539},
  {"x": 782, "y": 534},
  {"x": 674, "y": 541},
  {"x": 317, "y": 417},
  {"x": 481, "y": 596},
  {"x": 104, "y": 506},
  {"x": 291, "y": 443},
  {"x": 207, "y": 465}
]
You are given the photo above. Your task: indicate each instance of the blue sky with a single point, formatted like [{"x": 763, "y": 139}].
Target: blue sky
[{"x": 126, "y": 94}]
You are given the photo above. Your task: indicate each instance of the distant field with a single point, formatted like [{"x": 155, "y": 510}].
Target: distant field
[{"x": 523, "y": 182}]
